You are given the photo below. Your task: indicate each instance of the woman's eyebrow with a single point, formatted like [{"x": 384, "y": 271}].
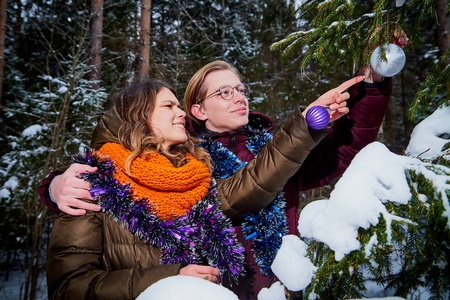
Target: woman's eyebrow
[{"x": 172, "y": 102}]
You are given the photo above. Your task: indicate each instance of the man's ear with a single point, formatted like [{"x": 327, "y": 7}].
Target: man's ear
[{"x": 197, "y": 111}]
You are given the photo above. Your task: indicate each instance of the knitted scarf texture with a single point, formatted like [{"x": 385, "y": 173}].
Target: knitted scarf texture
[{"x": 173, "y": 191}]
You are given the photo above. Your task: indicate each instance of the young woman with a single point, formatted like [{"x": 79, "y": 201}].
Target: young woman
[{"x": 160, "y": 215}]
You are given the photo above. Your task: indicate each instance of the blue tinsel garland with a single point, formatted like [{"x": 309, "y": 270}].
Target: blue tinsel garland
[
  {"x": 204, "y": 232},
  {"x": 267, "y": 227}
]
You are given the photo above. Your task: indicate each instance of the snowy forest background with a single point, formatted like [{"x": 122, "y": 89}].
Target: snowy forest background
[{"x": 59, "y": 61}]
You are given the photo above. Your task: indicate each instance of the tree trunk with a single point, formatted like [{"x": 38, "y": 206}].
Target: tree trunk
[
  {"x": 443, "y": 26},
  {"x": 96, "y": 42},
  {"x": 144, "y": 44},
  {"x": 223, "y": 27},
  {"x": 36, "y": 246},
  {"x": 2, "y": 43},
  {"x": 18, "y": 24}
]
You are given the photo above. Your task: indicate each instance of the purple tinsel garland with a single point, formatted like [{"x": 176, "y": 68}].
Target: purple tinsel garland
[{"x": 203, "y": 232}]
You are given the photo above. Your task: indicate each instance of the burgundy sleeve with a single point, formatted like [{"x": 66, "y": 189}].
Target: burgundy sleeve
[
  {"x": 43, "y": 191},
  {"x": 368, "y": 104}
]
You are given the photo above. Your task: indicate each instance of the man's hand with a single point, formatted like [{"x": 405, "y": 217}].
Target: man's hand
[
  {"x": 204, "y": 272},
  {"x": 335, "y": 99},
  {"x": 67, "y": 190},
  {"x": 400, "y": 39}
]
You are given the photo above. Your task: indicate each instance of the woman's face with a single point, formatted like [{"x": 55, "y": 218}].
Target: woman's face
[
  {"x": 224, "y": 115},
  {"x": 168, "y": 120}
]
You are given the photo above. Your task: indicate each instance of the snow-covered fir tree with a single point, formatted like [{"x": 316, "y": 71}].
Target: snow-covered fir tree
[{"x": 389, "y": 223}]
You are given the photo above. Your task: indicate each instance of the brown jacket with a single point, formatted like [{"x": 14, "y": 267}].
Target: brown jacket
[{"x": 94, "y": 257}]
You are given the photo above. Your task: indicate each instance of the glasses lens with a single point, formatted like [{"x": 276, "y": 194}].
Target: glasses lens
[
  {"x": 226, "y": 92},
  {"x": 243, "y": 89}
]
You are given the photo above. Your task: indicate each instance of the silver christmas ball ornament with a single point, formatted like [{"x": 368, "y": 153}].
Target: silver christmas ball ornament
[{"x": 394, "y": 63}]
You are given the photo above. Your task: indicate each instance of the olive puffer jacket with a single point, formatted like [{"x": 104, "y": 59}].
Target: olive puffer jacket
[{"x": 93, "y": 257}]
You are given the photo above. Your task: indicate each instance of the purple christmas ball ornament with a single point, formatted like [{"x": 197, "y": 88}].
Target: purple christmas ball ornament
[{"x": 317, "y": 117}]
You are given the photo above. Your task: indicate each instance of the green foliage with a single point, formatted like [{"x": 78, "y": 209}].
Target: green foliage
[
  {"x": 335, "y": 280},
  {"x": 45, "y": 140},
  {"x": 50, "y": 110},
  {"x": 435, "y": 90},
  {"x": 409, "y": 254},
  {"x": 348, "y": 32},
  {"x": 404, "y": 256},
  {"x": 119, "y": 43},
  {"x": 188, "y": 34},
  {"x": 278, "y": 86}
]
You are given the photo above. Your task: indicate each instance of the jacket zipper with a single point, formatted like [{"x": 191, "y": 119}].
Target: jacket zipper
[{"x": 232, "y": 142}]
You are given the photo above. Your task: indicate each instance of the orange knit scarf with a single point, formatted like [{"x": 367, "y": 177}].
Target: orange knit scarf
[{"x": 172, "y": 191}]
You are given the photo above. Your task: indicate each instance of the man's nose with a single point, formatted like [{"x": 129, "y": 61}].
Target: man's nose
[{"x": 237, "y": 97}]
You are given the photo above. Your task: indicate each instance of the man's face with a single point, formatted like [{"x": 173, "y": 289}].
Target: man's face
[{"x": 224, "y": 115}]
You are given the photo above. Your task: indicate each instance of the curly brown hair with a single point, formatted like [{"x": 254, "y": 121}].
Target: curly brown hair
[{"x": 135, "y": 105}]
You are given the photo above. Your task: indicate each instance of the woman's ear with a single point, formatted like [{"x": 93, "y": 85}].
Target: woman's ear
[{"x": 197, "y": 111}]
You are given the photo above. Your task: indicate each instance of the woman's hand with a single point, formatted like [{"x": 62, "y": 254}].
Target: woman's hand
[
  {"x": 204, "y": 272},
  {"x": 67, "y": 190},
  {"x": 335, "y": 99}
]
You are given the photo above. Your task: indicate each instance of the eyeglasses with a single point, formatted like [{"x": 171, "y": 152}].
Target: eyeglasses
[{"x": 226, "y": 91}]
